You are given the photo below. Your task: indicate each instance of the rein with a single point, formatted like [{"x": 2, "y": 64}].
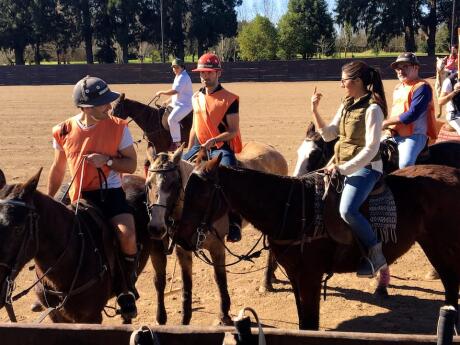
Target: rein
[
  {"x": 206, "y": 227},
  {"x": 32, "y": 229}
]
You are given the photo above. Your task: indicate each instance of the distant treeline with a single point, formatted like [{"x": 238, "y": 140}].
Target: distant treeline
[{"x": 118, "y": 30}]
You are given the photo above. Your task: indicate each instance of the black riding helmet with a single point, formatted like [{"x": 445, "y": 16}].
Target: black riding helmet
[{"x": 92, "y": 92}]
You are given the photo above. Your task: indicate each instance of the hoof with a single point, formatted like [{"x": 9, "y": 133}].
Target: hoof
[
  {"x": 266, "y": 288},
  {"x": 381, "y": 291},
  {"x": 225, "y": 321},
  {"x": 36, "y": 307},
  {"x": 432, "y": 275}
]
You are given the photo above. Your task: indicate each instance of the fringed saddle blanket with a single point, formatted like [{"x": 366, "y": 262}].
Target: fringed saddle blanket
[{"x": 381, "y": 212}]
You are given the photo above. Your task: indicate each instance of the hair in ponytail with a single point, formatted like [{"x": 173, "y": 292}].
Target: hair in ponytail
[{"x": 371, "y": 81}]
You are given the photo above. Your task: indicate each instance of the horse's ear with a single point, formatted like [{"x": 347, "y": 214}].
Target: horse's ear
[
  {"x": 213, "y": 163},
  {"x": 2, "y": 179},
  {"x": 201, "y": 156},
  {"x": 178, "y": 154},
  {"x": 151, "y": 152},
  {"x": 122, "y": 97},
  {"x": 310, "y": 130},
  {"x": 31, "y": 185}
]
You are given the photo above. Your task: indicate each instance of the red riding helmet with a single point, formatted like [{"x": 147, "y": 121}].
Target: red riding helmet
[{"x": 208, "y": 62}]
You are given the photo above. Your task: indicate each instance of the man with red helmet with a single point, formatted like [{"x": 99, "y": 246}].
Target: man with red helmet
[{"x": 216, "y": 124}]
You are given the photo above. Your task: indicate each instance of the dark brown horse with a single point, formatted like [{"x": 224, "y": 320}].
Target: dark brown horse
[
  {"x": 33, "y": 225},
  {"x": 263, "y": 199},
  {"x": 150, "y": 120}
]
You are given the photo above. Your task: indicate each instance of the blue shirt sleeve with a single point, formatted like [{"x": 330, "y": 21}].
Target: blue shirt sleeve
[{"x": 419, "y": 104}]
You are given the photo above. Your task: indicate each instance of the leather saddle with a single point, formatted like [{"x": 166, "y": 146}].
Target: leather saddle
[{"x": 164, "y": 117}]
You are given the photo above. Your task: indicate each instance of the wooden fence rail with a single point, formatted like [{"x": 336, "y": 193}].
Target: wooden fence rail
[
  {"x": 79, "y": 334},
  {"x": 265, "y": 71}
]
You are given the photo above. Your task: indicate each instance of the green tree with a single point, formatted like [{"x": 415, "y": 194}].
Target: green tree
[
  {"x": 258, "y": 40},
  {"x": 307, "y": 22},
  {"x": 383, "y": 20},
  {"x": 209, "y": 20},
  {"x": 15, "y": 27},
  {"x": 289, "y": 40}
]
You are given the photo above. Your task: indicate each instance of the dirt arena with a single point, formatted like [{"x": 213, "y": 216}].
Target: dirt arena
[{"x": 274, "y": 113}]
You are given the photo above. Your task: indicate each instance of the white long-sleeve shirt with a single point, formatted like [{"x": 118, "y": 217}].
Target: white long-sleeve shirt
[{"x": 373, "y": 124}]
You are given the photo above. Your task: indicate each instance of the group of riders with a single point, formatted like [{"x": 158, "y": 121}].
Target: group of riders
[{"x": 98, "y": 147}]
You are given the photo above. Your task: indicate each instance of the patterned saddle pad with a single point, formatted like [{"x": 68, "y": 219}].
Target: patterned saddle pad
[{"x": 379, "y": 209}]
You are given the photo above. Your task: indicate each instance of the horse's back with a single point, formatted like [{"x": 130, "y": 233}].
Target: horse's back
[
  {"x": 262, "y": 157},
  {"x": 445, "y": 153}
]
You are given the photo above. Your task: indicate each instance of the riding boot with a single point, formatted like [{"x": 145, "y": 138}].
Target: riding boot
[
  {"x": 372, "y": 263},
  {"x": 234, "y": 229},
  {"x": 127, "y": 299}
]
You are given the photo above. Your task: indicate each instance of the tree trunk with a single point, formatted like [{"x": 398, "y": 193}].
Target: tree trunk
[
  {"x": 431, "y": 28},
  {"x": 87, "y": 31},
  {"x": 409, "y": 33},
  {"x": 19, "y": 55},
  {"x": 124, "y": 49},
  {"x": 37, "y": 53}
]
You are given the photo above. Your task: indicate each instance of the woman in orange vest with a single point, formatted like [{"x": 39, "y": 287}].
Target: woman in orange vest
[
  {"x": 216, "y": 124},
  {"x": 412, "y": 120}
]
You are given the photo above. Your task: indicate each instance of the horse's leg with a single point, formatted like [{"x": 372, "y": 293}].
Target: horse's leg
[
  {"x": 158, "y": 259},
  {"x": 217, "y": 252},
  {"x": 269, "y": 274},
  {"x": 185, "y": 262},
  {"x": 309, "y": 292}
]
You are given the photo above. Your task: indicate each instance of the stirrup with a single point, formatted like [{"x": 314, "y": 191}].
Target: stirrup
[{"x": 127, "y": 304}]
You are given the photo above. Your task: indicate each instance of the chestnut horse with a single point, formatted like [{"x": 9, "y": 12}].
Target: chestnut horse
[
  {"x": 166, "y": 180},
  {"x": 150, "y": 120},
  {"x": 35, "y": 226},
  {"x": 283, "y": 209}
]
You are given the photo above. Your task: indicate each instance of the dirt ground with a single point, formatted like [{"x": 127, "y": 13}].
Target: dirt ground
[{"x": 274, "y": 113}]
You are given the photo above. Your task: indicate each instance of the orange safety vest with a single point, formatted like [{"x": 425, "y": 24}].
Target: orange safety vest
[
  {"x": 402, "y": 98},
  {"x": 104, "y": 138},
  {"x": 208, "y": 112}
]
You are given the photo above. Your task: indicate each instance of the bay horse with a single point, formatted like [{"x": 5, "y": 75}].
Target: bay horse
[
  {"x": 314, "y": 153},
  {"x": 70, "y": 257},
  {"x": 283, "y": 209},
  {"x": 150, "y": 120},
  {"x": 166, "y": 180}
]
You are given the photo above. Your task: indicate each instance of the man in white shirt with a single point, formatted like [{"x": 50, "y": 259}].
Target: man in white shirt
[{"x": 181, "y": 101}]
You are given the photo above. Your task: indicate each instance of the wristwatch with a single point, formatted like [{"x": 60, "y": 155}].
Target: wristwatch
[{"x": 109, "y": 162}]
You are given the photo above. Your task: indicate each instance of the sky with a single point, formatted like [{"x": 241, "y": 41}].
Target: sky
[{"x": 274, "y": 10}]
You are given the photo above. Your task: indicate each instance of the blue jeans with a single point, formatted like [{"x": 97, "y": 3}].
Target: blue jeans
[
  {"x": 356, "y": 189},
  {"x": 228, "y": 156},
  {"x": 409, "y": 148}
]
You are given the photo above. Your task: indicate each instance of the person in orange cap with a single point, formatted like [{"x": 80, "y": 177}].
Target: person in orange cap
[{"x": 216, "y": 124}]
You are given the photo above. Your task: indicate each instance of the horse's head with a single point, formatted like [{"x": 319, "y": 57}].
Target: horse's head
[
  {"x": 119, "y": 109},
  {"x": 163, "y": 188},
  {"x": 17, "y": 230},
  {"x": 440, "y": 64},
  {"x": 313, "y": 153},
  {"x": 203, "y": 204}
]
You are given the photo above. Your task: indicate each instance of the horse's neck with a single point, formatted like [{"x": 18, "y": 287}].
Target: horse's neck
[
  {"x": 55, "y": 224},
  {"x": 261, "y": 198},
  {"x": 142, "y": 113}
]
